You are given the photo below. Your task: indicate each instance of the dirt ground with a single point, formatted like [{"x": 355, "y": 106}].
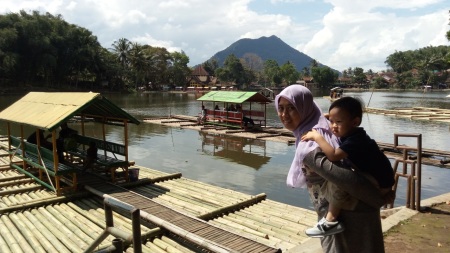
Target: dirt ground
[{"x": 427, "y": 231}]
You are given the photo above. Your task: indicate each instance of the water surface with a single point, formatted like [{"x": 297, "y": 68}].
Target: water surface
[{"x": 255, "y": 167}]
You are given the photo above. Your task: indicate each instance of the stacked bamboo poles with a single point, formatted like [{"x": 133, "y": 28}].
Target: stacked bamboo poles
[
  {"x": 67, "y": 227},
  {"x": 415, "y": 113}
]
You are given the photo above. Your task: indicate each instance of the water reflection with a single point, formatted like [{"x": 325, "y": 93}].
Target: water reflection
[{"x": 248, "y": 152}]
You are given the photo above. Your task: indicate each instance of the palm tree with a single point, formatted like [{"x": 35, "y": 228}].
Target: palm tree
[
  {"x": 122, "y": 49},
  {"x": 137, "y": 61}
]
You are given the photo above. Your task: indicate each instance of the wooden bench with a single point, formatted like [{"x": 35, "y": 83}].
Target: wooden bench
[
  {"x": 256, "y": 116},
  {"x": 226, "y": 118},
  {"x": 42, "y": 159},
  {"x": 103, "y": 162}
]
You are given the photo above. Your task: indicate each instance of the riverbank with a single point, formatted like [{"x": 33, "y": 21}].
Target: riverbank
[{"x": 407, "y": 230}]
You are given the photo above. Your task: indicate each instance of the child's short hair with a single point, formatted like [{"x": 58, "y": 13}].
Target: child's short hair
[{"x": 351, "y": 105}]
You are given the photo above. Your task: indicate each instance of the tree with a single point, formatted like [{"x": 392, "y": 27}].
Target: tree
[
  {"x": 121, "y": 48},
  {"x": 448, "y": 32},
  {"x": 272, "y": 72},
  {"x": 253, "y": 62},
  {"x": 179, "y": 71},
  {"x": 137, "y": 63},
  {"x": 359, "y": 76},
  {"x": 158, "y": 60},
  {"x": 211, "y": 66},
  {"x": 314, "y": 63},
  {"x": 324, "y": 76},
  {"x": 233, "y": 71},
  {"x": 400, "y": 61},
  {"x": 289, "y": 73}
]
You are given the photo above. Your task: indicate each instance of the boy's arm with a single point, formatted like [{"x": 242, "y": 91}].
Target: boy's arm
[{"x": 331, "y": 153}]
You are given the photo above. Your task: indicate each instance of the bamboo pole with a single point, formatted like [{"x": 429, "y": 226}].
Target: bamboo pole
[
  {"x": 16, "y": 182},
  {"x": 176, "y": 245},
  {"x": 43, "y": 242},
  {"x": 15, "y": 191},
  {"x": 19, "y": 176},
  {"x": 89, "y": 228},
  {"x": 55, "y": 228},
  {"x": 76, "y": 234},
  {"x": 227, "y": 209},
  {"x": 4, "y": 248},
  {"x": 185, "y": 234},
  {"x": 48, "y": 235},
  {"x": 8, "y": 235},
  {"x": 31, "y": 243}
]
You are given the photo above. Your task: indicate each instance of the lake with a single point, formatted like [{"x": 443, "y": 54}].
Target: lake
[{"x": 256, "y": 166}]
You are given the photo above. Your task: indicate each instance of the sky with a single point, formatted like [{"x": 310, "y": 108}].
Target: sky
[{"x": 336, "y": 33}]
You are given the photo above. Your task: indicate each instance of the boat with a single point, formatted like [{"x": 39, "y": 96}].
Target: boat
[{"x": 335, "y": 94}]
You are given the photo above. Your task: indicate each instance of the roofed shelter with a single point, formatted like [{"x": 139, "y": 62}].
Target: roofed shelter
[
  {"x": 48, "y": 110},
  {"x": 238, "y": 98}
]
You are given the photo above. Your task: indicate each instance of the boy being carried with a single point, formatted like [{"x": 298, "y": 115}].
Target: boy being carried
[{"x": 359, "y": 151}]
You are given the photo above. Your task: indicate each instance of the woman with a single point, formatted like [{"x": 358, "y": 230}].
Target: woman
[{"x": 310, "y": 168}]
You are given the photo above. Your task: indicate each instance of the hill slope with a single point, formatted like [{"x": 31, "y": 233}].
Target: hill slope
[{"x": 268, "y": 48}]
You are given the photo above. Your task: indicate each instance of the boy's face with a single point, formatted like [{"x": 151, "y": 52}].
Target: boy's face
[
  {"x": 341, "y": 122},
  {"x": 288, "y": 114}
]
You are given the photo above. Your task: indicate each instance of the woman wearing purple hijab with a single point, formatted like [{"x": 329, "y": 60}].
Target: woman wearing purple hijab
[{"x": 310, "y": 168}]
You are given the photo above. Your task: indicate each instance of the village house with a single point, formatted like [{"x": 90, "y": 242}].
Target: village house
[{"x": 201, "y": 79}]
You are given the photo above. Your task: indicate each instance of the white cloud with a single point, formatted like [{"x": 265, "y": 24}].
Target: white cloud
[
  {"x": 352, "y": 33},
  {"x": 365, "y": 39}
]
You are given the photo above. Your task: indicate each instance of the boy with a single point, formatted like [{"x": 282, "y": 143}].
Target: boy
[{"x": 359, "y": 151}]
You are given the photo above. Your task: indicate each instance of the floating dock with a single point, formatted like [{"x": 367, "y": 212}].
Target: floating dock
[
  {"x": 431, "y": 157},
  {"x": 415, "y": 113},
  {"x": 177, "y": 215}
]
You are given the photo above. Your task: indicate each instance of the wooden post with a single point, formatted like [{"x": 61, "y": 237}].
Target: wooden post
[{"x": 127, "y": 176}]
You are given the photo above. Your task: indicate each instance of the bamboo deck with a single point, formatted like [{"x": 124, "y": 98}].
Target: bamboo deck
[
  {"x": 34, "y": 219},
  {"x": 415, "y": 113},
  {"x": 186, "y": 224}
]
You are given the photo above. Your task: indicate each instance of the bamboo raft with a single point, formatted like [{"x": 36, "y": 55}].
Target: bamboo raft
[
  {"x": 34, "y": 219},
  {"x": 431, "y": 157},
  {"x": 184, "y": 224},
  {"x": 415, "y": 113}
]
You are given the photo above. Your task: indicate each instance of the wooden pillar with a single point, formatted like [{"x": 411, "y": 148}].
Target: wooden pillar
[
  {"x": 104, "y": 132},
  {"x": 55, "y": 153},
  {"x": 125, "y": 134},
  {"x": 24, "y": 164}
]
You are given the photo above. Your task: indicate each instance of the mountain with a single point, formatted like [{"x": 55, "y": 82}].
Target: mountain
[{"x": 268, "y": 48}]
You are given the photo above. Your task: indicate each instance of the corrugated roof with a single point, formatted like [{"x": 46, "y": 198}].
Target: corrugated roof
[
  {"x": 234, "y": 97},
  {"x": 47, "y": 110}
]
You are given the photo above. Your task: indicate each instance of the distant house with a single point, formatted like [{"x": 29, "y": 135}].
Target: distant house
[
  {"x": 308, "y": 82},
  {"x": 388, "y": 77},
  {"x": 344, "y": 81},
  {"x": 201, "y": 78}
]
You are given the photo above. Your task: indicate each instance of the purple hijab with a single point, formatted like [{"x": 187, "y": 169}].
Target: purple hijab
[{"x": 311, "y": 117}]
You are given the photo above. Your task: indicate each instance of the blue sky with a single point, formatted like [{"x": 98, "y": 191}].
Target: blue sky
[{"x": 337, "y": 33}]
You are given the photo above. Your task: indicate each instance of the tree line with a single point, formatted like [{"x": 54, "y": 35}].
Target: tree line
[{"x": 44, "y": 50}]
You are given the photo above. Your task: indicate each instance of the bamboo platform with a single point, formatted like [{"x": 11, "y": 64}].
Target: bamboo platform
[
  {"x": 34, "y": 219},
  {"x": 184, "y": 223},
  {"x": 415, "y": 113},
  {"x": 190, "y": 122},
  {"x": 431, "y": 157}
]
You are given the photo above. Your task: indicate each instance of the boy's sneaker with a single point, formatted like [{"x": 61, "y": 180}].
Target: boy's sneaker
[{"x": 325, "y": 228}]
